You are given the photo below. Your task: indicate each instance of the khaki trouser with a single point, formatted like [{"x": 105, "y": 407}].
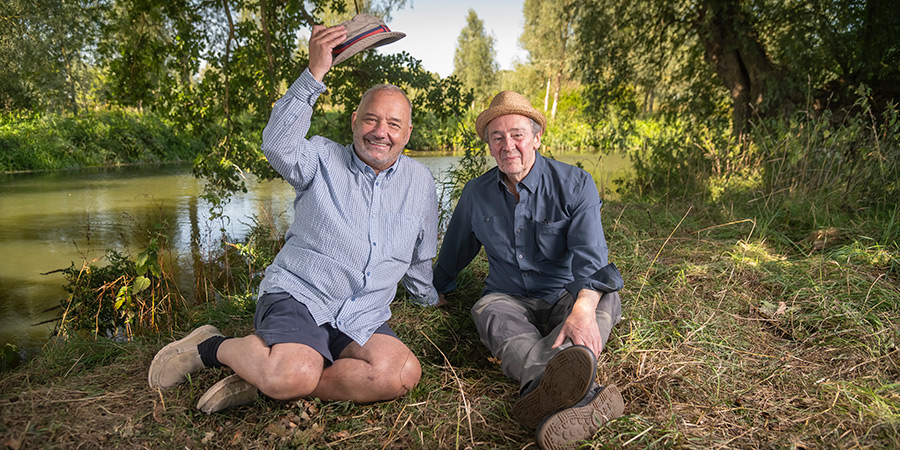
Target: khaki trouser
[{"x": 520, "y": 331}]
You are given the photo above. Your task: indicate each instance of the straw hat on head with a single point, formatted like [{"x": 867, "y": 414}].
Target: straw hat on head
[
  {"x": 364, "y": 32},
  {"x": 508, "y": 102}
]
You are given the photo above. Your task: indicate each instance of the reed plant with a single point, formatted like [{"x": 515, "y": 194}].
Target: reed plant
[{"x": 852, "y": 161}]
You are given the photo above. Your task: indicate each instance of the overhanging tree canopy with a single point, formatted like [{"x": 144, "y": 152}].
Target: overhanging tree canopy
[{"x": 765, "y": 54}]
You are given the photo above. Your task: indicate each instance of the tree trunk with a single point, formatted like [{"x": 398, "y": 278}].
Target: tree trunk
[
  {"x": 738, "y": 58},
  {"x": 559, "y": 75},
  {"x": 70, "y": 77},
  {"x": 226, "y": 65},
  {"x": 564, "y": 39},
  {"x": 547, "y": 94},
  {"x": 264, "y": 23}
]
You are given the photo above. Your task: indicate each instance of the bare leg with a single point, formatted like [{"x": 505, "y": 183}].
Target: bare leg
[
  {"x": 383, "y": 369},
  {"x": 284, "y": 371}
]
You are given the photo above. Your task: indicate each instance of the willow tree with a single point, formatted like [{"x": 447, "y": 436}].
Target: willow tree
[
  {"x": 764, "y": 55},
  {"x": 474, "y": 61}
]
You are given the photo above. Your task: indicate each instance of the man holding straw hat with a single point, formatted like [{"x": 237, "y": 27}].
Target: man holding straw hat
[{"x": 365, "y": 218}]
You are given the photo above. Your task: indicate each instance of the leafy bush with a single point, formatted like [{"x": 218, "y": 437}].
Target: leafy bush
[
  {"x": 120, "y": 298},
  {"x": 852, "y": 162},
  {"x": 48, "y": 142}
]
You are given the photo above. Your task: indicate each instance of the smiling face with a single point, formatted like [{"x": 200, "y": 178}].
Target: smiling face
[
  {"x": 513, "y": 142},
  {"x": 381, "y": 128}
]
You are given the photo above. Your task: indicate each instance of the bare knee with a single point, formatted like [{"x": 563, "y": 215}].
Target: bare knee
[
  {"x": 399, "y": 376},
  {"x": 281, "y": 385},
  {"x": 288, "y": 371},
  {"x": 410, "y": 374}
]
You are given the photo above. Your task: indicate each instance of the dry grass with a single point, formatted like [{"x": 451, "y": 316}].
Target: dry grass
[{"x": 729, "y": 339}]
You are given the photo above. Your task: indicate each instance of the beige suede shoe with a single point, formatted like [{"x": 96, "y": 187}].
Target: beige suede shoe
[
  {"x": 565, "y": 381},
  {"x": 229, "y": 391},
  {"x": 176, "y": 361},
  {"x": 568, "y": 428}
]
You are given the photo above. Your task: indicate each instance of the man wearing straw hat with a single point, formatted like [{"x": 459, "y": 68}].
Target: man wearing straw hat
[
  {"x": 550, "y": 298},
  {"x": 365, "y": 218}
]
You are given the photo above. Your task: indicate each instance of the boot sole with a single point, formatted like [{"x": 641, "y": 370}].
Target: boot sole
[
  {"x": 569, "y": 427},
  {"x": 565, "y": 382}
]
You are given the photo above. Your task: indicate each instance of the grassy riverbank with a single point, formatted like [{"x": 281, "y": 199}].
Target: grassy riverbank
[
  {"x": 740, "y": 329},
  {"x": 31, "y": 142}
]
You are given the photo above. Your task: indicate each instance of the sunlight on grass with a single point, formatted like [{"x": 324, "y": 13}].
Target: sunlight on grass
[
  {"x": 876, "y": 255},
  {"x": 880, "y": 402},
  {"x": 753, "y": 254},
  {"x": 717, "y": 187}
]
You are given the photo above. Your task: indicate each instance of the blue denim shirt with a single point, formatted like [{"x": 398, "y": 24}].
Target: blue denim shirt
[
  {"x": 355, "y": 233},
  {"x": 550, "y": 241}
]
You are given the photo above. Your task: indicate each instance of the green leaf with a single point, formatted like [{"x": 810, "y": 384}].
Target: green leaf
[
  {"x": 140, "y": 284},
  {"x": 141, "y": 261}
]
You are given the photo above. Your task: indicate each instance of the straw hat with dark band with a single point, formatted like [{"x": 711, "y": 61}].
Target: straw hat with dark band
[
  {"x": 508, "y": 102},
  {"x": 364, "y": 32}
]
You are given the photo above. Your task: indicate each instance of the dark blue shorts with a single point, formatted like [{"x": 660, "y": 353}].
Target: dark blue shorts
[{"x": 281, "y": 319}]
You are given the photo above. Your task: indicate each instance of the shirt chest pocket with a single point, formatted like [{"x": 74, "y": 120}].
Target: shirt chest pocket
[
  {"x": 551, "y": 239},
  {"x": 493, "y": 234},
  {"x": 401, "y": 235}
]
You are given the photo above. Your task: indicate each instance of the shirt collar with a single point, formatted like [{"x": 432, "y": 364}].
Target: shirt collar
[
  {"x": 534, "y": 176},
  {"x": 364, "y": 168}
]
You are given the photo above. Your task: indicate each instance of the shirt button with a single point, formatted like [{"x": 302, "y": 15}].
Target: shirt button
[
  {"x": 487, "y": 219},
  {"x": 525, "y": 275},
  {"x": 521, "y": 256},
  {"x": 519, "y": 231},
  {"x": 368, "y": 274},
  {"x": 374, "y": 244}
]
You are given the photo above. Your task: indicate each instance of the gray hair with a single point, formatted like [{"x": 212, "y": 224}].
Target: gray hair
[{"x": 535, "y": 127}]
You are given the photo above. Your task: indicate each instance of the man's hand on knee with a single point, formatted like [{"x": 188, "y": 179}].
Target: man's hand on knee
[{"x": 581, "y": 324}]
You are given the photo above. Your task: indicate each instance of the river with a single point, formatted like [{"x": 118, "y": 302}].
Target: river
[{"x": 51, "y": 220}]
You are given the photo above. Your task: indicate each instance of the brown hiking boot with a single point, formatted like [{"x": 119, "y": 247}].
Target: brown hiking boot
[
  {"x": 176, "y": 361},
  {"x": 229, "y": 391},
  {"x": 569, "y": 427},
  {"x": 565, "y": 381}
]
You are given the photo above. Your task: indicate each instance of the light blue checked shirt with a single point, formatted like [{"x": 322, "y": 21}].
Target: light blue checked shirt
[{"x": 355, "y": 234}]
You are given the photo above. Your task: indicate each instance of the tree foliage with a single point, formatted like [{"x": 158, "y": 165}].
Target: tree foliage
[
  {"x": 547, "y": 35},
  {"x": 45, "y": 52},
  {"x": 213, "y": 67},
  {"x": 761, "y": 54},
  {"x": 474, "y": 62}
]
